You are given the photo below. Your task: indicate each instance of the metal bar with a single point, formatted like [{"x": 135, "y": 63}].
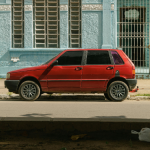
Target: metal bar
[{"x": 149, "y": 39}]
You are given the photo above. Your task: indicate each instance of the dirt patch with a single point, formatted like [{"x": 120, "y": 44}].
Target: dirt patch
[{"x": 58, "y": 140}]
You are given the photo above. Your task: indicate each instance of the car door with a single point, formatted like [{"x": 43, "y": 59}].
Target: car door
[
  {"x": 66, "y": 75},
  {"x": 97, "y": 70}
]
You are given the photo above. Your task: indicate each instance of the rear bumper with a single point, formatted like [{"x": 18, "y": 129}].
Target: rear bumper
[
  {"x": 12, "y": 85},
  {"x": 132, "y": 83}
]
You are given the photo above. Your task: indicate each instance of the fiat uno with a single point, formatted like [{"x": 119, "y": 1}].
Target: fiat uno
[{"x": 107, "y": 71}]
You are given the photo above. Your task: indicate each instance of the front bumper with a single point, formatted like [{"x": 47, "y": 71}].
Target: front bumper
[
  {"x": 132, "y": 83},
  {"x": 12, "y": 85}
]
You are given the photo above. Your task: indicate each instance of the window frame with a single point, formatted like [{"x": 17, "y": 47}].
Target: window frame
[
  {"x": 82, "y": 60},
  {"x": 111, "y": 62}
]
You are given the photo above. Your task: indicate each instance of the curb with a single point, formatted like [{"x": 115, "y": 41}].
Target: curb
[
  {"x": 73, "y": 97},
  {"x": 139, "y": 98}
]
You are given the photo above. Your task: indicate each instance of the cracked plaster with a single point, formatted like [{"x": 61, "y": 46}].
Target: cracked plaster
[
  {"x": 92, "y": 7},
  {"x": 5, "y": 7},
  {"x": 28, "y": 8},
  {"x": 63, "y": 7}
]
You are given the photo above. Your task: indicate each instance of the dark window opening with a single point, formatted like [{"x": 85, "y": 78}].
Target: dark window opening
[
  {"x": 98, "y": 58},
  {"x": 71, "y": 58}
]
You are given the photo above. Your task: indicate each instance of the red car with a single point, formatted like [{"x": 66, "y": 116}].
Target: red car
[{"x": 107, "y": 71}]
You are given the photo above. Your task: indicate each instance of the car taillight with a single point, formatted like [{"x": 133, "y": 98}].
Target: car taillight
[{"x": 133, "y": 73}]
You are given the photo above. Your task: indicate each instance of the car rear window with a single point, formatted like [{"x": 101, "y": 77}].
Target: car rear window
[
  {"x": 116, "y": 57},
  {"x": 98, "y": 58}
]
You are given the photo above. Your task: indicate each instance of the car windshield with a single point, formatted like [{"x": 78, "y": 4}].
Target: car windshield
[{"x": 50, "y": 60}]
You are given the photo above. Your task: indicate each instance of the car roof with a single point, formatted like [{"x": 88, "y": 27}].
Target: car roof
[{"x": 90, "y": 49}]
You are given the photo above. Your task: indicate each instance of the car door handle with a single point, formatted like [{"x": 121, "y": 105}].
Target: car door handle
[
  {"x": 110, "y": 68},
  {"x": 78, "y": 68}
]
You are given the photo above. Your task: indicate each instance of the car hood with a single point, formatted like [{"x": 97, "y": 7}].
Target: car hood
[{"x": 42, "y": 67}]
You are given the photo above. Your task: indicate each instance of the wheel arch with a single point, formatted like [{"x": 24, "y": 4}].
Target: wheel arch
[
  {"x": 117, "y": 79},
  {"x": 29, "y": 78}
]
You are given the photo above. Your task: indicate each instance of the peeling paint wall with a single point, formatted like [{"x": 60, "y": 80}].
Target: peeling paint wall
[
  {"x": 28, "y": 38},
  {"x": 92, "y": 29},
  {"x": 93, "y": 33}
]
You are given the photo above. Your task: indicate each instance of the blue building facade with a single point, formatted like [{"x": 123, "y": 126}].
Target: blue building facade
[{"x": 106, "y": 24}]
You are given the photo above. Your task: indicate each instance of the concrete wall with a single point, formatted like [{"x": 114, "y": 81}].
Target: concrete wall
[
  {"x": 92, "y": 25},
  {"x": 5, "y": 36},
  {"x": 99, "y": 30}
]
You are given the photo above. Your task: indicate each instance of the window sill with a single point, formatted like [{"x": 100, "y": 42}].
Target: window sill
[
  {"x": 35, "y": 49},
  {"x": 17, "y": 52}
]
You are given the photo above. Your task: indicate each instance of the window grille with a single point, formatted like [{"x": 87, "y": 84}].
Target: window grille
[
  {"x": 46, "y": 23},
  {"x": 75, "y": 23},
  {"x": 133, "y": 36},
  {"x": 17, "y": 23}
]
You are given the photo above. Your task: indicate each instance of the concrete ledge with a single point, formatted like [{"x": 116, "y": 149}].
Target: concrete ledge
[
  {"x": 139, "y": 98},
  {"x": 59, "y": 96},
  {"x": 73, "y": 97},
  {"x": 100, "y": 119},
  {"x": 54, "y": 127}
]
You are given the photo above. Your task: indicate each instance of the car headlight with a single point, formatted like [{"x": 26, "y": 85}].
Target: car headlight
[{"x": 8, "y": 76}]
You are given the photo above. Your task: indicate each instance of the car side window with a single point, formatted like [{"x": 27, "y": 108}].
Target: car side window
[
  {"x": 116, "y": 57},
  {"x": 70, "y": 58},
  {"x": 98, "y": 58}
]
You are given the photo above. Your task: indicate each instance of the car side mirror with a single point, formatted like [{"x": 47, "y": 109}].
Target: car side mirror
[{"x": 54, "y": 63}]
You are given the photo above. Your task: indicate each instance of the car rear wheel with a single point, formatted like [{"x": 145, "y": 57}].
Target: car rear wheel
[
  {"x": 29, "y": 90},
  {"x": 118, "y": 91}
]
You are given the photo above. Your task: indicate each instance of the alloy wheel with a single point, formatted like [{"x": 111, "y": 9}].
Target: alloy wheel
[{"x": 29, "y": 90}]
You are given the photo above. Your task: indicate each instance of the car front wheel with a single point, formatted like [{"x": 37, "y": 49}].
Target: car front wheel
[
  {"x": 118, "y": 91},
  {"x": 29, "y": 90},
  {"x": 107, "y": 97}
]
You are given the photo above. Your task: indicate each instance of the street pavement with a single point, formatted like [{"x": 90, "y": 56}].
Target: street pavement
[
  {"x": 90, "y": 110},
  {"x": 76, "y": 107}
]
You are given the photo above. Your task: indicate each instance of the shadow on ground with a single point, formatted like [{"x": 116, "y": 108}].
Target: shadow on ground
[{"x": 100, "y": 98}]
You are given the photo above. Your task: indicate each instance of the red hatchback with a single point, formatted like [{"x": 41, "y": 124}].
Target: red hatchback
[{"x": 107, "y": 71}]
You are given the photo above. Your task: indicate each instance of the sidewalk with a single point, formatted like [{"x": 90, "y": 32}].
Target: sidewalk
[
  {"x": 143, "y": 84},
  {"x": 144, "y": 87}
]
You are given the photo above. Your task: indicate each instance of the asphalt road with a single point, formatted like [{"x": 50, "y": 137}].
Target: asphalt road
[{"x": 104, "y": 111}]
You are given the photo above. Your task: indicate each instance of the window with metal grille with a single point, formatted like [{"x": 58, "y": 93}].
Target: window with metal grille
[
  {"x": 17, "y": 23},
  {"x": 133, "y": 31},
  {"x": 75, "y": 23},
  {"x": 46, "y": 23}
]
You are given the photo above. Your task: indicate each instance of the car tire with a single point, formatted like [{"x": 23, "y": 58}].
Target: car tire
[
  {"x": 39, "y": 96},
  {"x": 107, "y": 97},
  {"x": 118, "y": 91},
  {"x": 29, "y": 90}
]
